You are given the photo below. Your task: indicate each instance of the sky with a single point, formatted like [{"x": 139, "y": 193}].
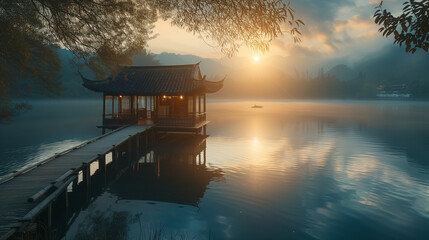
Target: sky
[{"x": 334, "y": 29}]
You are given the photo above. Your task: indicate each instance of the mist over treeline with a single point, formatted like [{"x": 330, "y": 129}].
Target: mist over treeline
[{"x": 286, "y": 77}]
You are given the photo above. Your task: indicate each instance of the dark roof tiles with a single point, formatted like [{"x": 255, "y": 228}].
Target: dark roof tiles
[{"x": 155, "y": 80}]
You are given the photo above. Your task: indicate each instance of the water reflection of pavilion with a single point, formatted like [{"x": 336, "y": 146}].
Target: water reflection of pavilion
[{"x": 174, "y": 171}]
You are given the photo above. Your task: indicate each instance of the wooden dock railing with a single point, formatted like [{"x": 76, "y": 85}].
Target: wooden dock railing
[{"x": 18, "y": 209}]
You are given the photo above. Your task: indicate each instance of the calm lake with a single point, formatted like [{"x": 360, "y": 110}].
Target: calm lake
[{"x": 289, "y": 170}]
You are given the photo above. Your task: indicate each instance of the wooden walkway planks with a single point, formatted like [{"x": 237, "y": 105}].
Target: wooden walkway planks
[{"x": 15, "y": 192}]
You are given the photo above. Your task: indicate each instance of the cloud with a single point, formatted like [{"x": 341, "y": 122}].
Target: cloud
[
  {"x": 296, "y": 50},
  {"x": 339, "y": 28},
  {"x": 357, "y": 22},
  {"x": 319, "y": 17},
  {"x": 366, "y": 35},
  {"x": 319, "y": 10}
]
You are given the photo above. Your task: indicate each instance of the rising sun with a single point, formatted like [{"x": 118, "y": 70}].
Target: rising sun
[{"x": 256, "y": 58}]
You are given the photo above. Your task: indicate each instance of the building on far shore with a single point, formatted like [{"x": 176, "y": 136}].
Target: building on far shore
[
  {"x": 173, "y": 98},
  {"x": 393, "y": 91}
]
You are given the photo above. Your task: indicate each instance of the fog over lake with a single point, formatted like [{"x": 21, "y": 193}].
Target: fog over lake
[{"x": 289, "y": 170}]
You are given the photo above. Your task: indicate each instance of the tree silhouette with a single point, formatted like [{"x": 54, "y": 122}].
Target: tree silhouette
[
  {"x": 411, "y": 28},
  {"x": 106, "y": 34}
]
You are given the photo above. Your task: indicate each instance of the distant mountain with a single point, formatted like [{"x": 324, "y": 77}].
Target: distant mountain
[
  {"x": 394, "y": 65},
  {"x": 343, "y": 72},
  {"x": 283, "y": 77}
]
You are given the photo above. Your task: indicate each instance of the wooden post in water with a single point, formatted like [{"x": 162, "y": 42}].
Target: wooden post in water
[
  {"x": 137, "y": 150},
  {"x": 114, "y": 157},
  {"x": 85, "y": 173},
  {"x": 49, "y": 211},
  {"x": 130, "y": 148},
  {"x": 146, "y": 140},
  {"x": 66, "y": 198},
  {"x": 205, "y": 156},
  {"x": 102, "y": 166},
  {"x": 86, "y": 176}
]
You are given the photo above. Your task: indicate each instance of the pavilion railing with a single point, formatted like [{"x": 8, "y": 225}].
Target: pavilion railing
[
  {"x": 182, "y": 120},
  {"x": 142, "y": 114},
  {"x": 189, "y": 120}
]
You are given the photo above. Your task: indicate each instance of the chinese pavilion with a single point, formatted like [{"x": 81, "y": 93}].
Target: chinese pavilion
[{"x": 173, "y": 98}]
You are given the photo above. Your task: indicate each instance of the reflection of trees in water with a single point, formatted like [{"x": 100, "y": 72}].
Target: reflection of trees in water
[
  {"x": 175, "y": 172},
  {"x": 411, "y": 140},
  {"x": 400, "y": 132},
  {"x": 112, "y": 226}
]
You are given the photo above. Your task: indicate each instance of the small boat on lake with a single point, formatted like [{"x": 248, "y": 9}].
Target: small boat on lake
[{"x": 257, "y": 106}]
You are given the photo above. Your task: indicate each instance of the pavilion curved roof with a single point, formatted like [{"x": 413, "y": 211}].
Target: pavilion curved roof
[{"x": 155, "y": 80}]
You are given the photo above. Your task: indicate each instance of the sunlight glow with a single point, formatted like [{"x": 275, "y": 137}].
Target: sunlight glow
[
  {"x": 256, "y": 58},
  {"x": 255, "y": 141}
]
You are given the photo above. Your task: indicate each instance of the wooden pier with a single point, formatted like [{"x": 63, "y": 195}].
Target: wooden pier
[{"x": 24, "y": 195}]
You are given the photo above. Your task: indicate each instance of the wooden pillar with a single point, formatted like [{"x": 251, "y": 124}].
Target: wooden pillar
[
  {"x": 155, "y": 103},
  {"x": 199, "y": 103},
  {"x": 151, "y": 106},
  {"x": 49, "y": 217},
  {"x": 104, "y": 106},
  {"x": 205, "y": 130},
  {"x": 86, "y": 174},
  {"x": 194, "y": 104},
  {"x": 130, "y": 148},
  {"x": 66, "y": 199},
  {"x": 204, "y": 102},
  {"x": 137, "y": 145},
  {"x": 131, "y": 106},
  {"x": 137, "y": 106},
  {"x": 199, "y": 159},
  {"x": 158, "y": 167},
  {"x": 172, "y": 107},
  {"x": 114, "y": 157},
  {"x": 119, "y": 106},
  {"x": 113, "y": 106},
  {"x": 102, "y": 166},
  {"x": 205, "y": 156},
  {"x": 86, "y": 180}
]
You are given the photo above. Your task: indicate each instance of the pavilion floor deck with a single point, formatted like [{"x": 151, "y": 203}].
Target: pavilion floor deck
[{"x": 15, "y": 190}]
